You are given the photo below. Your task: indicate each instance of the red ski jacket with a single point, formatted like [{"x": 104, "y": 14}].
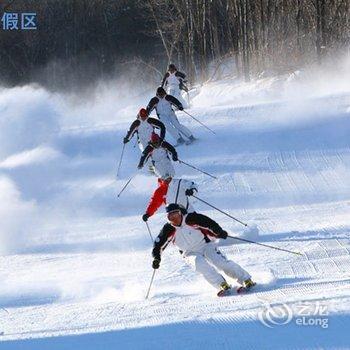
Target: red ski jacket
[{"x": 158, "y": 197}]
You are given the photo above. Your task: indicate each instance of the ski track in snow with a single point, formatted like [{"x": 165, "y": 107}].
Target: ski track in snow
[{"x": 89, "y": 282}]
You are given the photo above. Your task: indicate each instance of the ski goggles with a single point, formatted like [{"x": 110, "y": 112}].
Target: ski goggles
[{"x": 173, "y": 215}]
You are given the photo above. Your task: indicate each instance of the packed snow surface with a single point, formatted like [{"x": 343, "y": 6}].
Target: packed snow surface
[{"x": 76, "y": 260}]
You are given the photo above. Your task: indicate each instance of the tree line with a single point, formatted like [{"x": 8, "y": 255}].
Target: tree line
[{"x": 78, "y": 41}]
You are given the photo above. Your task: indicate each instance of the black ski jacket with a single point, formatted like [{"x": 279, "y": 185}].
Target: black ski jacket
[
  {"x": 154, "y": 101},
  {"x": 177, "y": 74},
  {"x": 150, "y": 148},
  {"x": 195, "y": 221},
  {"x": 153, "y": 121}
]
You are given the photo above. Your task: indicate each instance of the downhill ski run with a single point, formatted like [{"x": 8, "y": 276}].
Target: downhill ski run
[{"x": 77, "y": 259}]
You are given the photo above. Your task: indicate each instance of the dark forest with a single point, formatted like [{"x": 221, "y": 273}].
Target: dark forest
[{"x": 78, "y": 41}]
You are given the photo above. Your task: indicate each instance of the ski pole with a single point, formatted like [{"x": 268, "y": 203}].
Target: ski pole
[
  {"x": 149, "y": 231},
  {"x": 221, "y": 211},
  {"x": 199, "y": 122},
  {"x": 266, "y": 245},
  {"x": 193, "y": 167},
  {"x": 120, "y": 161},
  {"x": 150, "y": 285},
  {"x": 122, "y": 190}
]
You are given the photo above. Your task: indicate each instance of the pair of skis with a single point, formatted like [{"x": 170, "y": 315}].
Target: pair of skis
[
  {"x": 186, "y": 143},
  {"x": 232, "y": 291}
]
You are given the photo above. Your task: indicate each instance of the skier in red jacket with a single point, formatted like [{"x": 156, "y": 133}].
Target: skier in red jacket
[{"x": 171, "y": 190}]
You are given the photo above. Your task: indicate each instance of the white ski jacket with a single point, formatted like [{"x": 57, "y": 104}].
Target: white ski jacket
[{"x": 195, "y": 231}]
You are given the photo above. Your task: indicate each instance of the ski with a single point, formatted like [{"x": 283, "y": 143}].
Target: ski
[
  {"x": 234, "y": 291},
  {"x": 226, "y": 293},
  {"x": 243, "y": 290}
]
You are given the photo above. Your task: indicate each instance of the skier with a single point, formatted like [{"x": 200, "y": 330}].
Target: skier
[
  {"x": 144, "y": 127},
  {"x": 162, "y": 103},
  {"x": 192, "y": 233},
  {"x": 171, "y": 190},
  {"x": 174, "y": 81},
  {"x": 158, "y": 151}
]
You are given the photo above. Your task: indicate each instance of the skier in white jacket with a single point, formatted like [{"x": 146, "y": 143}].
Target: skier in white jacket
[
  {"x": 193, "y": 234},
  {"x": 163, "y": 105},
  {"x": 171, "y": 190},
  {"x": 144, "y": 126},
  {"x": 158, "y": 152},
  {"x": 173, "y": 81}
]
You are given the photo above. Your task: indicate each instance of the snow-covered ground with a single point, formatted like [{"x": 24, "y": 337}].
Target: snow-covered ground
[{"x": 76, "y": 262}]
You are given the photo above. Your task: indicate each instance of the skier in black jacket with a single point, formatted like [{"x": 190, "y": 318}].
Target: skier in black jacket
[
  {"x": 163, "y": 105},
  {"x": 194, "y": 235},
  {"x": 158, "y": 151},
  {"x": 144, "y": 127},
  {"x": 173, "y": 81}
]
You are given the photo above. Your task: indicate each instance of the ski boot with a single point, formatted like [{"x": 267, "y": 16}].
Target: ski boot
[
  {"x": 190, "y": 140},
  {"x": 225, "y": 289},
  {"x": 247, "y": 285},
  {"x": 180, "y": 141},
  {"x": 152, "y": 170}
]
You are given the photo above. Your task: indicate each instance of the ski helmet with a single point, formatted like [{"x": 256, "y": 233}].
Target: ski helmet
[
  {"x": 143, "y": 113},
  {"x": 155, "y": 138},
  {"x": 160, "y": 91},
  {"x": 175, "y": 207}
]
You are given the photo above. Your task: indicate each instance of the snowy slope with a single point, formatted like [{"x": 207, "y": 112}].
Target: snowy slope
[{"x": 76, "y": 260}]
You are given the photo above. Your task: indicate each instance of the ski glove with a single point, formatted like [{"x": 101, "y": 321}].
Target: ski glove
[
  {"x": 145, "y": 217},
  {"x": 223, "y": 234},
  {"x": 175, "y": 159},
  {"x": 155, "y": 264},
  {"x": 190, "y": 192},
  {"x": 181, "y": 108},
  {"x": 140, "y": 166},
  {"x": 125, "y": 140}
]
